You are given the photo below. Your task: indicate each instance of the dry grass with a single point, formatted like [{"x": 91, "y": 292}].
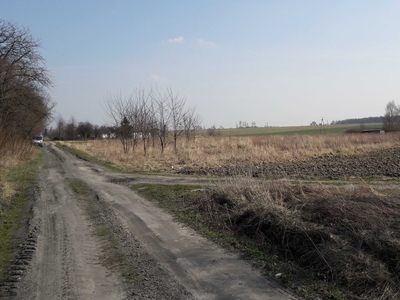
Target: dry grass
[
  {"x": 348, "y": 239},
  {"x": 12, "y": 151},
  {"x": 7, "y": 191},
  {"x": 229, "y": 151},
  {"x": 12, "y": 154}
]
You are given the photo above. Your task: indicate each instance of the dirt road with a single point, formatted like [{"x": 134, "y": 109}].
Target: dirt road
[{"x": 60, "y": 258}]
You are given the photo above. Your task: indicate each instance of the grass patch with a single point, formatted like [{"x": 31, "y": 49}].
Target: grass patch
[
  {"x": 112, "y": 257},
  {"x": 177, "y": 199},
  {"x": 15, "y": 194},
  {"x": 80, "y": 188}
]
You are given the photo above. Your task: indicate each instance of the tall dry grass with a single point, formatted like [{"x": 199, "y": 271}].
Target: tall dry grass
[
  {"x": 347, "y": 238},
  {"x": 228, "y": 151},
  {"x": 12, "y": 153}
]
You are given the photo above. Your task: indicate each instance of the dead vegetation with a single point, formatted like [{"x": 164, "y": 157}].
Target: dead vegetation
[
  {"x": 332, "y": 240},
  {"x": 230, "y": 152},
  {"x": 12, "y": 156}
]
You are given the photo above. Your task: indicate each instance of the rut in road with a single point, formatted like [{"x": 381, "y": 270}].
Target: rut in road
[{"x": 169, "y": 260}]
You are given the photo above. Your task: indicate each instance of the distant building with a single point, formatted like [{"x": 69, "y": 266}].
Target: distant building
[{"x": 108, "y": 136}]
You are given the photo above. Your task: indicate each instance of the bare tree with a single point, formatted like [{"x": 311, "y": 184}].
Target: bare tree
[
  {"x": 191, "y": 123},
  {"x": 161, "y": 117},
  {"x": 151, "y": 116},
  {"x": 24, "y": 105},
  {"x": 70, "y": 129},
  {"x": 391, "y": 119},
  {"x": 124, "y": 134},
  {"x": 176, "y": 105},
  {"x": 120, "y": 111},
  {"x": 140, "y": 115},
  {"x": 60, "y": 127}
]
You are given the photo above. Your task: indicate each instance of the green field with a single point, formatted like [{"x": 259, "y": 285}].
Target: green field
[{"x": 290, "y": 130}]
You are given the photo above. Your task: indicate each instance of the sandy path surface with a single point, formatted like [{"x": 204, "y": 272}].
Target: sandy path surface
[{"x": 173, "y": 262}]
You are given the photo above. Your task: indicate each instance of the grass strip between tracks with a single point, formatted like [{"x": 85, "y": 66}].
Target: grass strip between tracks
[
  {"x": 15, "y": 195},
  {"x": 112, "y": 257}
]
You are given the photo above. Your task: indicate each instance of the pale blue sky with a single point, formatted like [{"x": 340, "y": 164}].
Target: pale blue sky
[{"x": 281, "y": 62}]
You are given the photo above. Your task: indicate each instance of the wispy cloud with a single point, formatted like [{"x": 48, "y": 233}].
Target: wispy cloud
[
  {"x": 177, "y": 40},
  {"x": 157, "y": 78},
  {"x": 204, "y": 43}
]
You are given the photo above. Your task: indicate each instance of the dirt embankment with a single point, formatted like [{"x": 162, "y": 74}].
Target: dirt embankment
[{"x": 377, "y": 163}]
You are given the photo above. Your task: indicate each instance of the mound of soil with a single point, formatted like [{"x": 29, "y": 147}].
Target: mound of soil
[{"x": 377, "y": 163}]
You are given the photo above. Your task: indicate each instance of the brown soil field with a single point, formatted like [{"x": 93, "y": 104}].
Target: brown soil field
[{"x": 384, "y": 162}]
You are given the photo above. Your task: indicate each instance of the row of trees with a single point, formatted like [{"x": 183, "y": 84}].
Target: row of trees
[
  {"x": 147, "y": 117},
  {"x": 25, "y": 106},
  {"x": 358, "y": 121},
  {"x": 245, "y": 124},
  {"x": 73, "y": 130}
]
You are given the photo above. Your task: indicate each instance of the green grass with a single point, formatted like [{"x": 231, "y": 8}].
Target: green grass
[
  {"x": 80, "y": 188},
  {"x": 291, "y": 130},
  {"x": 177, "y": 199},
  {"x": 13, "y": 215}
]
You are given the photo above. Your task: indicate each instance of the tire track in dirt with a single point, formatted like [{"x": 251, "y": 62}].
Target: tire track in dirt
[{"x": 65, "y": 264}]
